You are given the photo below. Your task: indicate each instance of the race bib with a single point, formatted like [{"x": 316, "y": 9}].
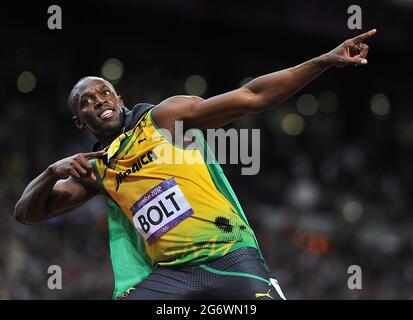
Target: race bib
[{"x": 159, "y": 210}]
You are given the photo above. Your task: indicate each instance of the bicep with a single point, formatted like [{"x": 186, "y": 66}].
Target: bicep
[
  {"x": 220, "y": 110},
  {"x": 196, "y": 112},
  {"x": 68, "y": 195}
]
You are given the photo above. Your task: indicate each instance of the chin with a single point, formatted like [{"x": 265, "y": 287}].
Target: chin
[{"x": 113, "y": 126}]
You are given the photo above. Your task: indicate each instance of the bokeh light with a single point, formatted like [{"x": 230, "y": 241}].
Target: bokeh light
[
  {"x": 380, "y": 105},
  {"x": 112, "y": 70},
  {"x": 352, "y": 211},
  {"x": 292, "y": 124},
  {"x": 26, "y": 82},
  {"x": 196, "y": 85},
  {"x": 307, "y": 104}
]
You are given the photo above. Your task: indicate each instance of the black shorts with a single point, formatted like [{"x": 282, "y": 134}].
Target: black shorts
[{"x": 238, "y": 275}]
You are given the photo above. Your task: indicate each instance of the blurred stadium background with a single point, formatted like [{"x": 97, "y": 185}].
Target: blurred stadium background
[{"x": 336, "y": 179}]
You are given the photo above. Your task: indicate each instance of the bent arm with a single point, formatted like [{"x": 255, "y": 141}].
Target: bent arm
[{"x": 47, "y": 196}]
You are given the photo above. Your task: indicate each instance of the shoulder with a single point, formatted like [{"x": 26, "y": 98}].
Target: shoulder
[
  {"x": 176, "y": 105},
  {"x": 174, "y": 108}
]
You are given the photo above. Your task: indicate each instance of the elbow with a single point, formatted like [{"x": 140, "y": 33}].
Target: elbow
[
  {"x": 20, "y": 214},
  {"x": 255, "y": 102}
]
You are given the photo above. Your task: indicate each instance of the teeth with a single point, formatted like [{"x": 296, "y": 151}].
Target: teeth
[{"x": 106, "y": 114}]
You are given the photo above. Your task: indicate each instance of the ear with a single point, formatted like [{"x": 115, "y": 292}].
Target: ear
[
  {"x": 121, "y": 100},
  {"x": 77, "y": 122}
]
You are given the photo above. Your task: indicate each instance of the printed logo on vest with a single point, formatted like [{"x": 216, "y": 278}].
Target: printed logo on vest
[
  {"x": 136, "y": 167},
  {"x": 159, "y": 210}
]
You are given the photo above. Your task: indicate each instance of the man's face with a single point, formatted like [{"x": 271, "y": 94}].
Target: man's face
[{"x": 99, "y": 108}]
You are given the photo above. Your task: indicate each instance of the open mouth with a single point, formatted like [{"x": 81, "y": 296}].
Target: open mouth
[{"x": 106, "y": 114}]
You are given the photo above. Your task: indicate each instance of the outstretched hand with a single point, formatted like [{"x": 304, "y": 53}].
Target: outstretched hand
[{"x": 351, "y": 52}]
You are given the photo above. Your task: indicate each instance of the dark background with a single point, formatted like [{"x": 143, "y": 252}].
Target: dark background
[{"x": 337, "y": 194}]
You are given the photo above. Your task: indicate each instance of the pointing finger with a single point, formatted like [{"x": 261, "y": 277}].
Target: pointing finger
[
  {"x": 364, "y": 36},
  {"x": 93, "y": 155}
]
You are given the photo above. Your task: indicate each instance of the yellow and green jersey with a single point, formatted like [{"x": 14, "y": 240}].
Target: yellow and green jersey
[{"x": 181, "y": 206}]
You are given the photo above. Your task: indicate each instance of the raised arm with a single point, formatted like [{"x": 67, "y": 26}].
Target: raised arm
[
  {"x": 48, "y": 195},
  {"x": 260, "y": 93}
]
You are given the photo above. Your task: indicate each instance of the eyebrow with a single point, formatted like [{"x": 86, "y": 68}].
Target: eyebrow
[{"x": 99, "y": 89}]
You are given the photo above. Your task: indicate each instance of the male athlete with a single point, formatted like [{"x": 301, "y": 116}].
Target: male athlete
[{"x": 177, "y": 230}]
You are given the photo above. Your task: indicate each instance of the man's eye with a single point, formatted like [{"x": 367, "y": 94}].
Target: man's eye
[
  {"x": 105, "y": 93},
  {"x": 85, "y": 102}
]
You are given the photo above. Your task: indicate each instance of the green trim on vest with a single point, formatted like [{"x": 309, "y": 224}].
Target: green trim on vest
[
  {"x": 131, "y": 264},
  {"x": 232, "y": 273}
]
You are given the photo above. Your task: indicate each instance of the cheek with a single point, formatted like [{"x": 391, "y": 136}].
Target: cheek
[
  {"x": 89, "y": 118},
  {"x": 118, "y": 116}
]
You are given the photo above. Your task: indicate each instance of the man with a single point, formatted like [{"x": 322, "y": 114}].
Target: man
[{"x": 177, "y": 230}]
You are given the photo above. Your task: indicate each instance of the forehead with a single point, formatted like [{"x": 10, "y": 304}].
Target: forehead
[{"x": 91, "y": 86}]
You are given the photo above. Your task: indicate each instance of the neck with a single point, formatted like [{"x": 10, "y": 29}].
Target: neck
[{"x": 107, "y": 140}]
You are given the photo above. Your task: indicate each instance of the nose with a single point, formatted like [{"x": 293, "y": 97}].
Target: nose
[{"x": 99, "y": 102}]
